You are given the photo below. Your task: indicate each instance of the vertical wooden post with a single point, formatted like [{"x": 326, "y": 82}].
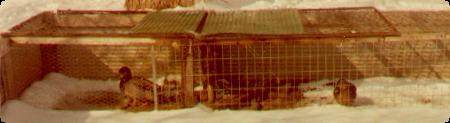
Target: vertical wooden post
[
  {"x": 155, "y": 92},
  {"x": 22, "y": 59},
  {"x": 4, "y": 46},
  {"x": 2, "y": 90},
  {"x": 189, "y": 83},
  {"x": 7, "y": 78}
]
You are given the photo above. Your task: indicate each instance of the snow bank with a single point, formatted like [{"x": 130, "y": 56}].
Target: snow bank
[
  {"x": 18, "y": 112},
  {"x": 380, "y": 99}
]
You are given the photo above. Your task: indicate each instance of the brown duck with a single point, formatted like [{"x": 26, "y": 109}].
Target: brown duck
[
  {"x": 344, "y": 92},
  {"x": 137, "y": 89}
]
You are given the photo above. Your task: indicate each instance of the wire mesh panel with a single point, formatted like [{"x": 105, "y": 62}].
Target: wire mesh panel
[
  {"x": 97, "y": 62},
  {"x": 419, "y": 21},
  {"x": 340, "y": 22},
  {"x": 242, "y": 76},
  {"x": 272, "y": 76},
  {"x": 79, "y": 65},
  {"x": 85, "y": 77}
]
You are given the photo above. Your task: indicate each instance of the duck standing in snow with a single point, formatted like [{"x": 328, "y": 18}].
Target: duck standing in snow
[
  {"x": 344, "y": 92},
  {"x": 137, "y": 89}
]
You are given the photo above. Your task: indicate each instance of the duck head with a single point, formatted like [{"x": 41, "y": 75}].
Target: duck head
[{"x": 125, "y": 70}]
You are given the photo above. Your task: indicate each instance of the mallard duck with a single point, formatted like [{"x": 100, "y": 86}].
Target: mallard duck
[
  {"x": 344, "y": 92},
  {"x": 136, "y": 88}
]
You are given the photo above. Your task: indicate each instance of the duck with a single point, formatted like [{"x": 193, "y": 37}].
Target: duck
[
  {"x": 344, "y": 92},
  {"x": 136, "y": 89}
]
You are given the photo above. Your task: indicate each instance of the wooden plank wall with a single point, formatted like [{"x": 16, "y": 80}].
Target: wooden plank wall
[
  {"x": 2, "y": 90},
  {"x": 21, "y": 67},
  {"x": 4, "y": 48}
]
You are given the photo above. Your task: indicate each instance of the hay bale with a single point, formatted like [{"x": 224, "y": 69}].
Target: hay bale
[{"x": 134, "y": 5}]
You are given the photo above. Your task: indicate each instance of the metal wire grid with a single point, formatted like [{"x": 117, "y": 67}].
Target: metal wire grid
[
  {"x": 344, "y": 21},
  {"x": 419, "y": 21},
  {"x": 273, "y": 75},
  {"x": 254, "y": 22},
  {"x": 97, "y": 62},
  {"x": 249, "y": 67},
  {"x": 179, "y": 22},
  {"x": 100, "y": 62},
  {"x": 309, "y": 23},
  {"x": 261, "y": 72}
]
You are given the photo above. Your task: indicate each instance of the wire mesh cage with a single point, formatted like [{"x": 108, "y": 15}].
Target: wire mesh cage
[
  {"x": 244, "y": 60},
  {"x": 282, "y": 75},
  {"x": 97, "y": 62}
]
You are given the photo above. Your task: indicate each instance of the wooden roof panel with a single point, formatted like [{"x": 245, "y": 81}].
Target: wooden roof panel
[
  {"x": 284, "y": 23},
  {"x": 169, "y": 22},
  {"x": 420, "y": 21},
  {"x": 345, "y": 21},
  {"x": 254, "y": 22}
]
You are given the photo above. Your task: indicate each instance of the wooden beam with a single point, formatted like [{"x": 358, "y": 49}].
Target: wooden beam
[
  {"x": 7, "y": 77},
  {"x": 189, "y": 81},
  {"x": 88, "y": 40},
  {"x": 417, "y": 37},
  {"x": 4, "y": 45},
  {"x": 2, "y": 77},
  {"x": 423, "y": 60},
  {"x": 21, "y": 66},
  {"x": 95, "y": 40},
  {"x": 4, "y": 49}
]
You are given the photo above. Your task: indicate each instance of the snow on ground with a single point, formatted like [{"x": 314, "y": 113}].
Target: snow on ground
[
  {"x": 380, "y": 99},
  {"x": 46, "y": 93},
  {"x": 20, "y": 112},
  {"x": 377, "y": 91}
]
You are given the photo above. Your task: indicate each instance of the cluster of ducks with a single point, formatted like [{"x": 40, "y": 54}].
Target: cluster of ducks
[{"x": 140, "y": 91}]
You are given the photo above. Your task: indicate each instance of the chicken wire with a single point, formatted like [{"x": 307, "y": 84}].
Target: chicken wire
[
  {"x": 419, "y": 21},
  {"x": 270, "y": 76},
  {"x": 277, "y": 75},
  {"x": 100, "y": 62},
  {"x": 239, "y": 71}
]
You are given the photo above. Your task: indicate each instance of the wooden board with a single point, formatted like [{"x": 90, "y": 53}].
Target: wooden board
[{"x": 22, "y": 66}]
